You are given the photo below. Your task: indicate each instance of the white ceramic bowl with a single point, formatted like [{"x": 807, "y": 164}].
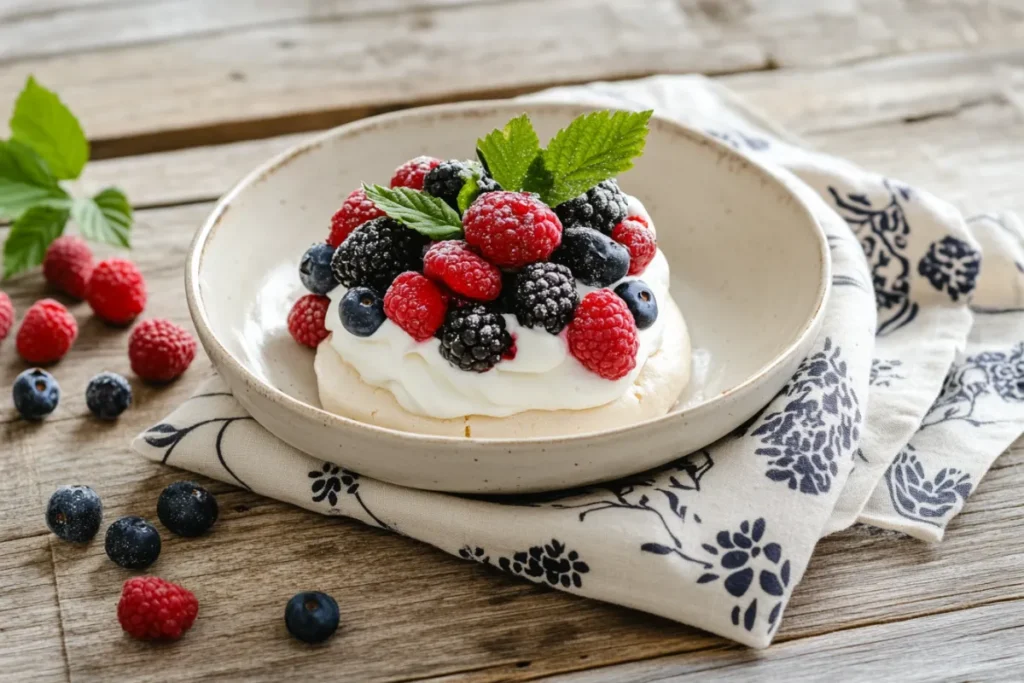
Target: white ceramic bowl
[{"x": 750, "y": 271}]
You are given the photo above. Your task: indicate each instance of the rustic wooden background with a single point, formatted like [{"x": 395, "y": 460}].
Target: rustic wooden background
[{"x": 182, "y": 97}]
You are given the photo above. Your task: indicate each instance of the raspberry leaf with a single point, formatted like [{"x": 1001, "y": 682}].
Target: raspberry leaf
[
  {"x": 42, "y": 122},
  {"x": 508, "y": 153},
  {"x": 468, "y": 194},
  {"x": 30, "y": 235},
  {"x": 106, "y": 217},
  {"x": 25, "y": 181},
  {"x": 594, "y": 147},
  {"x": 423, "y": 213}
]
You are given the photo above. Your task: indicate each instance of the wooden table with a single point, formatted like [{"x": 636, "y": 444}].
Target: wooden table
[{"x": 181, "y": 97}]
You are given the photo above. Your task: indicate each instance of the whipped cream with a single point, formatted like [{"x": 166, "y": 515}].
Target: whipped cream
[{"x": 542, "y": 376}]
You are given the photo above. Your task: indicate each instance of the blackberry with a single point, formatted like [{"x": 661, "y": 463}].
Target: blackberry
[
  {"x": 74, "y": 513},
  {"x": 376, "y": 252},
  {"x": 474, "y": 337},
  {"x": 312, "y": 617},
  {"x": 108, "y": 395},
  {"x": 602, "y": 207},
  {"x": 187, "y": 509},
  {"x": 593, "y": 257},
  {"x": 546, "y": 296},
  {"x": 446, "y": 181}
]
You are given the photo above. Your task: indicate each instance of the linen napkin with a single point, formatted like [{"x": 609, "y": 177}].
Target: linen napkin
[{"x": 870, "y": 427}]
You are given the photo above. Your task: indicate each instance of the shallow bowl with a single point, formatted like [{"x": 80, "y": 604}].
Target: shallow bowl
[{"x": 750, "y": 271}]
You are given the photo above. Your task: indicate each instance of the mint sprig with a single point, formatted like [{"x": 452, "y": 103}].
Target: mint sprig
[
  {"x": 47, "y": 146},
  {"x": 421, "y": 212},
  {"x": 509, "y": 152}
]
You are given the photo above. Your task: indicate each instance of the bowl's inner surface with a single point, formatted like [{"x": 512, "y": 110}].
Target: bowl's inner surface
[{"x": 746, "y": 262}]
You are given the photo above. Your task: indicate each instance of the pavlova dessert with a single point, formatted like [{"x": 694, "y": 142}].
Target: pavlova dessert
[{"x": 518, "y": 295}]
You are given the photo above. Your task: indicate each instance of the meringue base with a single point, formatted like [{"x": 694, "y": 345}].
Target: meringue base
[{"x": 653, "y": 393}]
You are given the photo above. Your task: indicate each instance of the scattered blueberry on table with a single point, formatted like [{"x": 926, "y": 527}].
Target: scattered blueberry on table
[
  {"x": 187, "y": 509},
  {"x": 312, "y": 617},
  {"x": 36, "y": 394},
  {"x": 108, "y": 395},
  {"x": 74, "y": 513},
  {"x": 132, "y": 542}
]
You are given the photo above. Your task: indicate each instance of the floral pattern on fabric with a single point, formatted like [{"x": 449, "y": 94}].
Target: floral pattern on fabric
[
  {"x": 921, "y": 497},
  {"x": 952, "y": 266},
  {"x": 992, "y": 373},
  {"x": 551, "y": 563}
]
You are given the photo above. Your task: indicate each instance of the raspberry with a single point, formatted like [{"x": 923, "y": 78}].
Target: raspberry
[
  {"x": 639, "y": 240},
  {"x": 603, "y": 336},
  {"x": 474, "y": 338},
  {"x": 602, "y": 207},
  {"x": 306, "y": 320},
  {"x": 68, "y": 265},
  {"x": 6, "y": 315},
  {"x": 46, "y": 333},
  {"x": 415, "y": 304},
  {"x": 376, "y": 252},
  {"x": 355, "y": 210},
  {"x": 411, "y": 173},
  {"x": 116, "y": 291},
  {"x": 159, "y": 350},
  {"x": 153, "y": 609},
  {"x": 545, "y": 296},
  {"x": 512, "y": 229},
  {"x": 462, "y": 270}
]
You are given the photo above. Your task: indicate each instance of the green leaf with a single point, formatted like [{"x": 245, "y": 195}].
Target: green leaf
[
  {"x": 30, "y": 235},
  {"x": 468, "y": 194},
  {"x": 426, "y": 215},
  {"x": 594, "y": 147},
  {"x": 509, "y": 152},
  {"x": 106, "y": 217},
  {"x": 42, "y": 122},
  {"x": 25, "y": 181},
  {"x": 538, "y": 178}
]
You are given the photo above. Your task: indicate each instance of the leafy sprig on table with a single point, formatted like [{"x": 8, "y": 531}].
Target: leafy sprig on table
[
  {"x": 592, "y": 148},
  {"x": 47, "y": 146}
]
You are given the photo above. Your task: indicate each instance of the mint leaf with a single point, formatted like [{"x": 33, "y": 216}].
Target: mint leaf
[
  {"x": 538, "y": 178},
  {"x": 42, "y": 122},
  {"x": 468, "y": 194},
  {"x": 594, "y": 147},
  {"x": 426, "y": 215},
  {"x": 106, "y": 217},
  {"x": 509, "y": 152},
  {"x": 25, "y": 181},
  {"x": 30, "y": 235}
]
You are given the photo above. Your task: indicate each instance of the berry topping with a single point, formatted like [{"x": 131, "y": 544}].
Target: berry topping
[
  {"x": 46, "y": 333},
  {"x": 187, "y": 509},
  {"x": 474, "y": 338},
  {"x": 312, "y": 617},
  {"x": 307, "y": 320},
  {"x": 315, "y": 269},
  {"x": 602, "y": 207},
  {"x": 545, "y": 296},
  {"x": 375, "y": 253},
  {"x": 153, "y": 609},
  {"x": 108, "y": 395},
  {"x": 132, "y": 542},
  {"x": 639, "y": 240},
  {"x": 462, "y": 270},
  {"x": 594, "y": 258},
  {"x": 354, "y": 211},
  {"x": 74, "y": 513},
  {"x": 411, "y": 173},
  {"x": 415, "y": 304},
  {"x": 362, "y": 311},
  {"x": 447, "y": 179},
  {"x": 603, "y": 336},
  {"x": 640, "y": 301},
  {"x": 68, "y": 265},
  {"x": 159, "y": 350},
  {"x": 6, "y": 315},
  {"x": 36, "y": 394},
  {"x": 116, "y": 291},
  {"x": 512, "y": 229}
]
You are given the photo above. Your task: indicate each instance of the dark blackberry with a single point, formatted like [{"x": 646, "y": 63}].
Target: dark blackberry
[
  {"x": 474, "y": 337},
  {"x": 602, "y": 207},
  {"x": 446, "y": 180},
  {"x": 376, "y": 252},
  {"x": 546, "y": 296}
]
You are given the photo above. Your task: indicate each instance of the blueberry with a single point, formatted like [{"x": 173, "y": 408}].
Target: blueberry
[
  {"x": 315, "y": 269},
  {"x": 640, "y": 301},
  {"x": 311, "y": 617},
  {"x": 108, "y": 395},
  {"x": 36, "y": 394},
  {"x": 594, "y": 258},
  {"x": 187, "y": 509},
  {"x": 361, "y": 311},
  {"x": 74, "y": 513},
  {"x": 133, "y": 543}
]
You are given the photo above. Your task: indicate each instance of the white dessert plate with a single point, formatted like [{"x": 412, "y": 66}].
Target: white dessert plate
[{"x": 750, "y": 271}]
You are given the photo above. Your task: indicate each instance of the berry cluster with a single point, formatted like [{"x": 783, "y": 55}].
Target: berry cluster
[{"x": 514, "y": 255}]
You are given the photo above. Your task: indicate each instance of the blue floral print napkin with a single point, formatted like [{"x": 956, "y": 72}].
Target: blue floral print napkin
[{"x": 904, "y": 402}]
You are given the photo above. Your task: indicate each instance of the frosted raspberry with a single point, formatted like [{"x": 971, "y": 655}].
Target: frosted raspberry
[
  {"x": 462, "y": 270},
  {"x": 116, "y": 291},
  {"x": 415, "y": 304},
  {"x": 355, "y": 210},
  {"x": 411, "y": 173},
  {"x": 512, "y": 229},
  {"x": 306, "y": 321},
  {"x": 639, "y": 240},
  {"x": 47, "y": 332},
  {"x": 159, "y": 350},
  {"x": 603, "y": 336}
]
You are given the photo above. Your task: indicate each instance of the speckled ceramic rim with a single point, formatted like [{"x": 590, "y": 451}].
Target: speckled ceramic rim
[{"x": 220, "y": 355}]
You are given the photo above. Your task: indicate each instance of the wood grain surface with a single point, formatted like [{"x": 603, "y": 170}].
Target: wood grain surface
[{"x": 928, "y": 91}]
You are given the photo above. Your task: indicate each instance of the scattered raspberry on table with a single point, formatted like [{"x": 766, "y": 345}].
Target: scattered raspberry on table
[
  {"x": 68, "y": 265},
  {"x": 47, "y": 332},
  {"x": 6, "y": 315},
  {"x": 159, "y": 350},
  {"x": 116, "y": 291},
  {"x": 153, "y": 609}
]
